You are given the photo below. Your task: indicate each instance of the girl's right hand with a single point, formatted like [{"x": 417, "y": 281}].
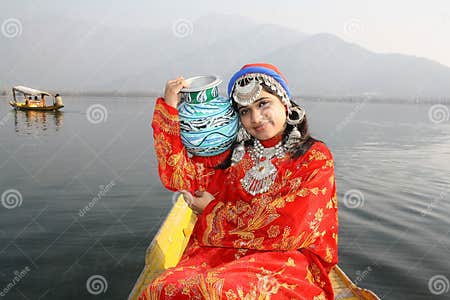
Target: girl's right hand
[
  {"x": 172, "y": 92},
  {"x": 198, "y": 202}
]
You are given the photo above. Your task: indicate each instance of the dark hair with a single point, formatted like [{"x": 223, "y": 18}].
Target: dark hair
[{"x": 301, "y": 148}]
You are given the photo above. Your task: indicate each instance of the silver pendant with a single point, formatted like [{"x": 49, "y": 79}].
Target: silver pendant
[
  {"x": 238, "y": 153},
  {"x": 260, "y": 177}
]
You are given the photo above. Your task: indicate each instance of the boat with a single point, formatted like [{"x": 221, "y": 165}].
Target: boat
[
  {"x": 169, "y": 243},
  {"x": 30, "y": 104}
]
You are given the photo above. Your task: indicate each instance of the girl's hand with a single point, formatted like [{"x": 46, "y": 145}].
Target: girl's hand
[
  {"x": 198, "y": 202},
  {"x": 172, "y": 91}
]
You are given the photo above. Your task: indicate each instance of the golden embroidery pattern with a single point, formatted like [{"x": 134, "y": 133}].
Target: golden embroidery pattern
[
  {"x": 288, "y": 242},
  {"x": 335, "y": 237},
  {"x": 316, "y": 274},
  {"x": 166, "y": 125},
  {"x": 214, "y": 231},
  {"x": 188, "y": 284},
  {"x": 266, "y": 286},
  {"x": 316, "y": 191},
  {"x": 230, "y": 295},
  {"x": 320, "y": 297},
  {"x": 240, "y": 252},
  {"x": 273, "y": 231},
  {"x": 211, "y": 288},
  {"x": 167, "y": 122},
  {"x": 163, "y": 149},
  {"x": 153, "y": 291},
  {"x": 328, "y": 256},
  {"x": 258, "y": 216},
  {"x": 170, "y": 289},
  {"x": 254, "y": 243},
  {"x": 290, "y": 262},
  {"x": 203, "y": 176},
  {"x": 182, "y": 168},
  {"x": 328, "y": 164},
  {"x": 316, "y": 155},
  {"x": 333, "y": 202}
]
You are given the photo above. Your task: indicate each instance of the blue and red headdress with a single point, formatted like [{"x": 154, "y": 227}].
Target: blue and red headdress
[{"x": 245, "y": 86}]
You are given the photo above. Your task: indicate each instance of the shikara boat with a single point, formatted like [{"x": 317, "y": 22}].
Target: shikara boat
[
  {"x": 29, "y": 104},
  {"x": 169, "y": 243}
]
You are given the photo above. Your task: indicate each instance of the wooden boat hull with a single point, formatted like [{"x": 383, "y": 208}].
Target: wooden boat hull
[
  {"x": 169, "y": 243},
  {"x": 22, "y": 106}
]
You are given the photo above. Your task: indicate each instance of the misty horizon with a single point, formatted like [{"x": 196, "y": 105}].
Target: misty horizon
[{"x": 105, "y": 52}]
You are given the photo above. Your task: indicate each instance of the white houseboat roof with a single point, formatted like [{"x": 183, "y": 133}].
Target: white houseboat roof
[{"x": 29, "y": 91}]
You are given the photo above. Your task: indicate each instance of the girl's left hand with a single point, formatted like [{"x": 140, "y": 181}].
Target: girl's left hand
[{"x": 198, "y": 202}]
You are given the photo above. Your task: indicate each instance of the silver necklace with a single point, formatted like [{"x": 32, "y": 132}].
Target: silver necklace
[{"x": 262, "y": 175}]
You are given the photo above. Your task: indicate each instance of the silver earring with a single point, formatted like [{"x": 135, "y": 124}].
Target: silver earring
[
  {"x": 239, "y": 150},
  {"x": 243, "y": 135},
  {"x": 295, "y": 117}
]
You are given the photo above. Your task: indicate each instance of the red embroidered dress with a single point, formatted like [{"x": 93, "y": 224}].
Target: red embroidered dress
[{"x": 277, "y": 245}]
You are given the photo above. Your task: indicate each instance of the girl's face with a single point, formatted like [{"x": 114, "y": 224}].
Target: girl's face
[{"x": 264, "y": 118}]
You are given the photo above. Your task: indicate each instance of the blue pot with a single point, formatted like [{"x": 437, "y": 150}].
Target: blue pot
[{"x": 208, "y": 122}]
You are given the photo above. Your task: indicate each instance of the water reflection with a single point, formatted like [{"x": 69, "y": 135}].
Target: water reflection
[{"x": 37, "y": 122}]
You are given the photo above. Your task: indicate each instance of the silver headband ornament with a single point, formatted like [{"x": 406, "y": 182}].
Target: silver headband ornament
[{"x": 247, "y": 89}]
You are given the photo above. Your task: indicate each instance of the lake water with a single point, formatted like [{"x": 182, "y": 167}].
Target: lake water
[{"x": 81, "y": 197}]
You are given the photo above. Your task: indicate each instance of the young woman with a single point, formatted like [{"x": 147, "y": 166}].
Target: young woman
[{"x": 267, "y": 209}]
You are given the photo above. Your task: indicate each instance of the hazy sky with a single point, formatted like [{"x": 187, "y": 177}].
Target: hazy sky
[{"x": 415, "y": 27}]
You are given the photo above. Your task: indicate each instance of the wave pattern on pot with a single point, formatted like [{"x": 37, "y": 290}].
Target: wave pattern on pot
[{"x": 208, "y": 122}]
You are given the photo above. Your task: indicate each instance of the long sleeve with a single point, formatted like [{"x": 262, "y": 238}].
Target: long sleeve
[
  {"x": 177, "y": 170},
  {"x": 300, "y": 214}
]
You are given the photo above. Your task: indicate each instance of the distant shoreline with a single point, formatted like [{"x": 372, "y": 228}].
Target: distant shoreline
[{"x": 298, "y": 99}]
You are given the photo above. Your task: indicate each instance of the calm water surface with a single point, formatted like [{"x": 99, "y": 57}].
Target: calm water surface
[{"x": 81, "y": 197}]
